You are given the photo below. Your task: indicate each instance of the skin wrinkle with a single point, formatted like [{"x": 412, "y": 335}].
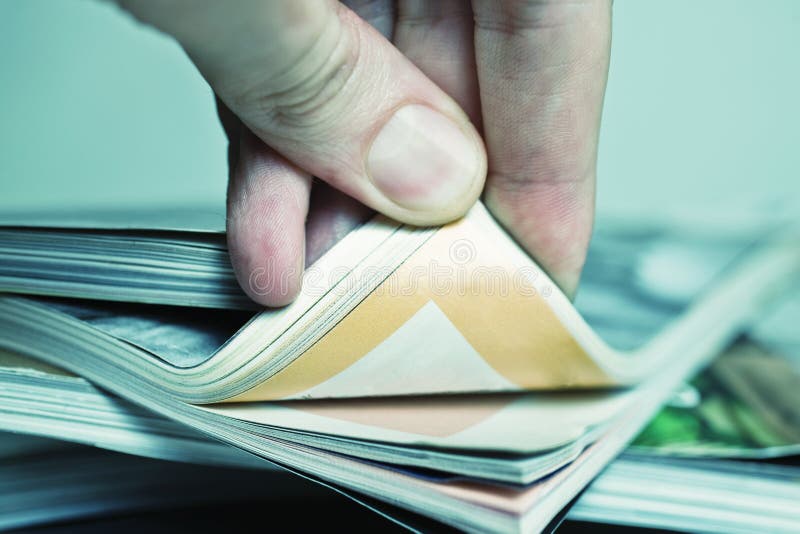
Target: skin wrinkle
[
  {"x": 303, "y": 103},
  {"x": 563, "y": 156},
  {"x": 444, "y": 50},
  {"x": 373, "y": 94},
  {"x": 229, "y": 67},
  {"x": 427, "y": 15},
  {"x": 518, "y": 16},
  {"x": 554, "y": 150},
  {"x": 337, "y": 167}
]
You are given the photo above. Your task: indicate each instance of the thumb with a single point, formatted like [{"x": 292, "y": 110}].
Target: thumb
[{"x": 325, "y": 90}]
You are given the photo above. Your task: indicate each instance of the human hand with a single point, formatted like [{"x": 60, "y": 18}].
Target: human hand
[{"x": 309, "y": 88}]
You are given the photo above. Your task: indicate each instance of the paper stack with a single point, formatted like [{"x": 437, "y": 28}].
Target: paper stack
[{"x": 438, "y": 370}]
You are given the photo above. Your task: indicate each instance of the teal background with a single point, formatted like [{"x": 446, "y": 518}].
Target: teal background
[{"x": 701, "y": 118}]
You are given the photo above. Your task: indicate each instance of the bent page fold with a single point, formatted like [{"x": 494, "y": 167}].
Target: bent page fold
[{"x": 391, "y": 311}]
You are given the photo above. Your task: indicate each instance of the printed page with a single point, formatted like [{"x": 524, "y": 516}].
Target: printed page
[
  {"x": 461, "y": 314},
  {"x": 468, "y": 312}
]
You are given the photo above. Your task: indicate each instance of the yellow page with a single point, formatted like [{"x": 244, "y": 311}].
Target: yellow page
[{"x": 463, "y": 313}]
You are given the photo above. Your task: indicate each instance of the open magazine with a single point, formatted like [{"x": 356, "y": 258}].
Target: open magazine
[
  {"x": 725, "y": 412},
  {"x": 415, "y": 316},
  {"x": 390, "y": 310}
]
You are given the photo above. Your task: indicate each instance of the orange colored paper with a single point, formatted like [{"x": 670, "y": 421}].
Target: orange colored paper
[{"x": 491, "y": 301}]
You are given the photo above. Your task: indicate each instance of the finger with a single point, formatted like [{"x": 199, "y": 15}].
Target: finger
[
  {"x": 438, "y": 38},
  {"x": 542, "y": 70},
  {"x": 333, "y": 96},
  {"x": 267, "y": 207}
]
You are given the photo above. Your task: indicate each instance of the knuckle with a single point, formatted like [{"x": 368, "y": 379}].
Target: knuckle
[
  {"x": 304, "y": 95},
  {"x": 429, "y": 14},
  {"x": 518, "y": 16},
  {"x": 561, "y": 160}
]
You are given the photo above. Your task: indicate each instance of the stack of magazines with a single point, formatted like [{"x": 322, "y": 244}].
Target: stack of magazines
[{"x": 436, "y": 371}]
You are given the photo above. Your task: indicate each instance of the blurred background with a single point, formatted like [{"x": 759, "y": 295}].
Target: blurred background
[{"x": 700, "y": 121}]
